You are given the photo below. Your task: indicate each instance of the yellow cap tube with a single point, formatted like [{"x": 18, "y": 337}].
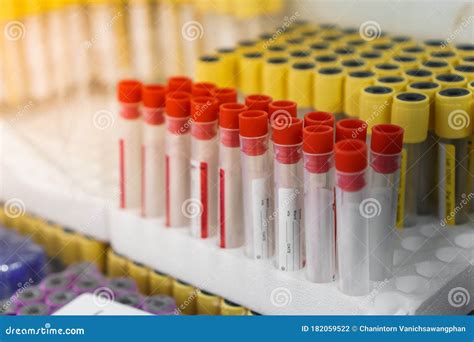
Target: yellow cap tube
[
  {"x": 300, "y": 84},
  {"x": 397, "y": 83},
  {"x": 465, "y": 70},
  {"x": 231, "y": 309},
  {"x": 406, "y": 62},
  {"x": 210, "y": 68},
  {"x": 355, "y": 82},
  {"x": 117, "y": 265},
  {"x": 141, "y": 274},
  {"x": 92, "y": 251},
  {"x": 208, "y": 303},
  {"x": 411, "y": 111},
  {"x": 453, "y": 113},
  {"x": 468, "y": 60},
  {"x": 345, "y": 53},
  {"x": 375, "y": 105},
  {"x": 450, "y": 57},
  {"x": 387, "y": 69},
  {"x": 360, "y": 45},
  {"x": 372, "y": 58},
  {"x": 401, "y": 42},
  {"x": 451, "y": 80},
  {"x": 328, "y": 87},
  {"x": 436, "y": 45},
  {"x": 276, "y": 50},
  {"x": 464, "y": 50},
  {"x": 320, "y": 48},
  {"x": 326, "y": 61},
  {"x": 298, "y": 56},
  {"x": 160, "y": 283},
  {"x": 229, "y": 60},
  {"x": 250, "y": 73},
  {"x": 385, "y": 48},
  {"x": 436, "y": 66},
  {"x": 352, "y": 65},
  {"x": 429, "y": 89},
  {"x": 275, "y": 77},
  {"x": 418, "y": 75},
  {"x": 415, "y": 50},
  {"x": 185, "y": 296}
]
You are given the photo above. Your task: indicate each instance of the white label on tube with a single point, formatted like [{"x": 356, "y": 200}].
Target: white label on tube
[
  {"x": 199, "y": 212},
  {"x": 289, "y": 229},
  {"x": 260, "y": 215}
]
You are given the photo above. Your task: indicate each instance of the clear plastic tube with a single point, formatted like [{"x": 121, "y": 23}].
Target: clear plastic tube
[{"x": 139, "y": 13}]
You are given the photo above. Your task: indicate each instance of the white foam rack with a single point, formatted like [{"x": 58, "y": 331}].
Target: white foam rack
[{"x": 59, "y": 161}]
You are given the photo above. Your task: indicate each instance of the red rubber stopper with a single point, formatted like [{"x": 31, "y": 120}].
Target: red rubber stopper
[
  {"x": 351, "y": 161},
  {"x": 318, "y": 142},
  {"x": 229, "y": 115},
  {"x": 180, "y": 83},
  {"x": 204, "y": 109},
  {"x": 253, "y": 123},
  {"x": 129, "y": 91},
  {"x": 154, "y": 95},
  {"x": 225, "y": 95},
  {"x": 202, "y": 89},
  {"x": 283, "y": 107},
  {"x": 287, "y": 131},
  {"x": 258, "y": 102},
  {"x": 351, "y": 129},
  {"x": 386, "y": 145},
  {"x": 178, "y": 104},
  {"x": 319, "y": 118}
]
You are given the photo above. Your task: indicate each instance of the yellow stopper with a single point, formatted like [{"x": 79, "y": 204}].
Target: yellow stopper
[
  {"x": 448, "y": 56},
  {"x": 453, "y": 114},
  {"x": 355, "y": 82},
  {"x": 406, "y": 62},
  {"x": 295, "y": 44},
  {"x": 465, "y": 70},
  {"x": 320, "y": 48},
  {"x": 372, "y": 58},
  {"x": 436, "y": 66},
  {"x": 384, "y": 47},
  {"x": 418, "y": 75},
  {"x": 92, "y": 251},
  {"x": 275, "y": 77},
  {"x": 345, "y": 53},
  {"x": 375, "y": 105},
  {"x": 210, "y": 68},
  {"x": 276, "y": 50},
  {"x": 160, "y": 284},
  {"x": 9, "y": 10},
  {"x": 300, "y": 56},
  {"x": 435, "y": 45},
  {"x": 387, "y": 69},
  {"x": 468, "y": 60},
  {"x": 334, "y": 40},
  {"x": 231, "y": 309},
  {"x": 328, "y": 87},
  {"x": 300, "y": 84},
  {"x": 411, "y": 111},
  {"x": 55, "y": 4},
  {"x": 247, "y": 45},
  {"x": 360, "y": 45},
  {"x": 471, "y": 87},
  {"x": 397, "y": 83},
  {"x": 250, "y": 73},
  {"x": 326, "y": 61},
  {"x": 32, "y": 7},
  {"x": 464, "y": 50},
  {"x": 229, "y": 59},
  {"x": 451, "y": 80},
  {"x": 141, "y": 275},
  {"x": 185, "y": 297},
  {"x": 429, "y": 89},
  {"x": 68, "y": 245},
  {"x": 117, "y": 265},
  {"x": 207, "y": 303},
  {"x": 416, "y": 51},
  {"x": 401, "y": 42},
  {"x": 351, "y": 65}
]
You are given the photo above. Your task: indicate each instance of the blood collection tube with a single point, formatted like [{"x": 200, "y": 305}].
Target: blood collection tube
[
  {"x": 418, "y": 75},
  {"x": 433, "y": 45},
  {"x": 209, "y": 68},
  {"x": 387, "y": 69},
  {"x": 185, "y": 297},
  {"x": 471, "y": 152},
  {"x": 355, "y": 81},
  {"x": 465, "y": 70},
  {"x": 274, "y": 77},
  {"x": 319, "y": 118},
  {"x": 225, "y": 95},
  {"x": 231, "y": 230},
  {"x": 406, "y": 62},
  {"x": 207, "y": 303},
  {"x": 415, "y": 50},
  {"x": 352, "y": 240},
  {"x": 426, "y": 195},
  {"x": 453, "y": 126},
  {"x": 326, "y": 61},
  {"x": 355, "y": 64},
  {"x": 385, "y": 156},
  {"x": 289, "y": 227},
  {"x": 372, "y": 58},
  {"x": 86, "y": 285},
  {"x": 375, "y": 105},
  {"x": 257, "y": 184},
  {"x": 448, "y": 56},
  {"x": 436, "y": 66},
  {"x": 384, "y": 47},
  {"x": 250, "y": 73},
  {"x": 202, "y": 89},
  {"x": 397, "y": 83},
  {"x": 229, "y": 66},
  {"x": 300, "y": 86},
  {"x": 179, "y": 83},
  {"x": 468, "y": 60},
  {"x": 28, "y": 296},
  {"x": 141, "y": 274},
  {"x": 318, "y": 150},
  {"x": 465, "y": 49},
  {"x": 401, "y": 42},
  {"x": 160, "y": 283},
  {"x": 57, "y": 300},
  {"x": 359, "y": 45},
  {"x": 153, "y": 154},
  {"x": 320, "y": 48},
  {"x": 451, "y": 80},
  {"x": 276, "y": 51},
  {"x": 129, "y": 97},
  {"x": 204, "y": 161},
  {"x": 55, "y": 282},
  {"x": 351, "y": 129},
  {"x": 345, "y": 53},
  {"x": 159, "y": 305},
  {"x": 328, "y": 90},
  {"x": 130, "y": 299},
  {"x": 177, "y": 154},
  {"x": 116, "y": 264},
  {"x": 122, "y": 285},
  {"x": 258, "y": 102},
  {"x": 411, "y": 111},
  {"x": 38, "y": 309},
  {"x": 229, "y": 308}
]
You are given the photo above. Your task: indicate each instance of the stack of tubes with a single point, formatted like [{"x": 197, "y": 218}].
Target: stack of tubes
[{"x": 52, "y": 49}]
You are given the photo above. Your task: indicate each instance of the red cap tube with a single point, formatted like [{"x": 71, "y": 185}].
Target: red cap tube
[
  {"x": 129, "y": 94},
  {"x": 225, "y": 95},
  {"x": 229, "y": 123},
  {"x": 318, "y": 145},
  {"x": 178, "y": 104},
  {"x": 284, "y": 107},
  {"x": 351, "y": 129},
  {"x": 180, "y": 83},
  {"x": 386, "y": 146},
  {"x": 154, "y": 98},
  {"x": 351, "y": 161},
  {"x": 202, "y": 89},
  {"x": 253, "y": 128},
  {"x": 287, "y": 137},
  {"x": 319, "y": 118},
  {"x": 258, "y": 102},
  {"x": 204, "y": 113}
]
